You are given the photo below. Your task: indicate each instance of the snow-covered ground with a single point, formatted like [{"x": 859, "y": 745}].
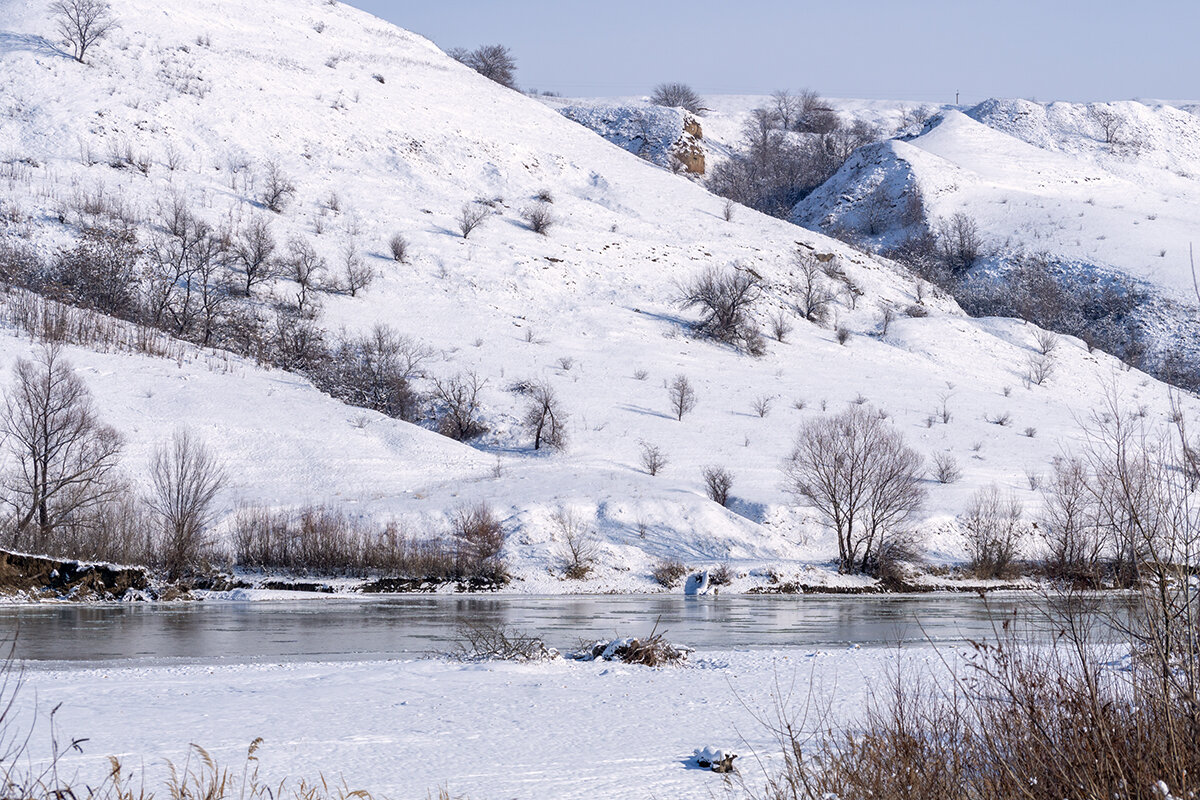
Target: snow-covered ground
[
  {"x": 403, "y": 136},
  {"x": 401, "y": 729}
]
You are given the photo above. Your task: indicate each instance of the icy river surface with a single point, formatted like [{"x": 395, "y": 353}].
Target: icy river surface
[{"x": 383, "y": 627}]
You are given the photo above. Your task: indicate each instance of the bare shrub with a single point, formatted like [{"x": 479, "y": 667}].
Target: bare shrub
[
  {"x": 65, "y": 457},
  {"x": 398, "y": 247},
  {"x": 185, "y": 479},
  {"x": 478, "y": 640},
  {"x": 960, "y": 242},
  {"x": 277, "y": 188},
  {"x": 1003, "y": 419},
  {"x": 1047, "y": 341},
  {"x": 677, "y": 95},
  {"x": 860, "y": 476},
  {"x": 1037, "y": 719},
  {"x": 718, "y": 481},
  {"x": 682, "y": 396},
  {"x": 780, "y": 327},
  {"x": 652, "y": 457},
  {"x": 993, "y": 531},
  {"x": 460, "y": 406},
  {"x": 544, "y": 195},
  {"x": 843, "y": 334},
  {"x": 82, "y": 23},
  {"x": 728, "y": 209},
  {"x": 668, "y": 572},
  {"x": 478, "y": 537},
  {"x": 471, "y": 217},
  {"x": 577, "y": 543},
  {"x": 762, "y": 405},
  {"x": 539, "y": 217},
  {"x": 373, "y": 370},
  {"x": 546, "y": 417},
  {"x": 725, "y": 299},
  {"x": 1038, "y": 369},
  {"x": 946, "y": 468}
]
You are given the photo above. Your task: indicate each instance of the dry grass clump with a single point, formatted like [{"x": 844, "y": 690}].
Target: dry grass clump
[{"x": 668, "y": 572}]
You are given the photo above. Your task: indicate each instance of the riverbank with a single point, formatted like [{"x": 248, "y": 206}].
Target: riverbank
[{"x": 33, "y": 578}]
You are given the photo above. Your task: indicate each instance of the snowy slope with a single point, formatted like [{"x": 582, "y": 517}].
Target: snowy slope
[
  {"x": 220, "y": 88},
  {"x": 1042, "y": 179}
]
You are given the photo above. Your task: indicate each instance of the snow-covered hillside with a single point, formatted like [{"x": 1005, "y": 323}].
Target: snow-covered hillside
[
  {"x": 1042, "y": 178},
  {"x": 383, "y": 134}
]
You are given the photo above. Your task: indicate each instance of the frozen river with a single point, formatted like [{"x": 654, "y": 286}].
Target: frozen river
[{"x": 382, "y": 627}]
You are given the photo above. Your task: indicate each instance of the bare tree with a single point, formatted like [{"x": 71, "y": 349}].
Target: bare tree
[
  {"x": 652, "y": 457},
  {"x": 787, "y": 108},
  {"x": 492, "y": 61},
  {"x": 253, "y": 250},
  {"x": 82, "y": 23},
  {"x": 186, "y": 478},
  {"x": 478, "y": 537},
  {"x": 471, "y": 217},
  {"x": 1110, "y": 122},
  {"x": 860, "y": 476},
  {"x": 725, "y": 298},
  {"x": 577, "y": 543},
  {"x": 546, "y": 417},
  {"x": 64, "y": 455},
  {"x": 718, "y": 482},
  {"x": 812, "y": 296},
  {"x": 304, "y": 266},
  {"x": 1068, "y": 524},
  {"x": 358, "y": 273},
  {"x": 677, "y": 95},
  {"x": 277, "y": 188},
  {"x": 682, "y": 396},
  {"x": 993, "y": 530},
  {"x": 461, "y": 406}
]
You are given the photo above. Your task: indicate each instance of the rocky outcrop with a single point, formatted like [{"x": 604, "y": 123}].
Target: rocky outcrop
[{"x": 39, "y": 576}]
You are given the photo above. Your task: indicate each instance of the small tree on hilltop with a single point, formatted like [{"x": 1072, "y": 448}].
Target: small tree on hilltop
[
  {"x": 678, "y": 95},
  {"x": 82, "y": 23}
]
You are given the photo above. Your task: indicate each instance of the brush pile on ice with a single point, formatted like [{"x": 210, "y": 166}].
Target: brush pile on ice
[{"x": 650, "y": 651}]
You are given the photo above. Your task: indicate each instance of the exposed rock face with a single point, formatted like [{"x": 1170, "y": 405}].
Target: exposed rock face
[
  {"x": 687, "y": 149},
  {"x": 51, "y": 577},
  {"x": 660, "y": 135}
]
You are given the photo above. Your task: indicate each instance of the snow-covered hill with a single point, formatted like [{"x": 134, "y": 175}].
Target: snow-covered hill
[{"x": 383, "y": 134}]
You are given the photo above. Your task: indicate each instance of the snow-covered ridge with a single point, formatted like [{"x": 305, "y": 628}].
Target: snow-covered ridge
[{"x": 383, "y": 134}]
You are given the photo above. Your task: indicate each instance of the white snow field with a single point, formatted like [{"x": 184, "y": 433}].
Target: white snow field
[
  {"x": 495, "y": 731},
  {"x": 381, "y": 134}
]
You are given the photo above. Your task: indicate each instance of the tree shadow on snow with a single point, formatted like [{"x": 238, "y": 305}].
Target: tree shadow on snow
[
  {"x": 643, "y": 410},
  {"x": 13, "y": 42},
  {"x": 755, "y": 512}
]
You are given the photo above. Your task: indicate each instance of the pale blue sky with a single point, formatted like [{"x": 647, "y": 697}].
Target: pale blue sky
[{"x": 918, "y": 50}]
